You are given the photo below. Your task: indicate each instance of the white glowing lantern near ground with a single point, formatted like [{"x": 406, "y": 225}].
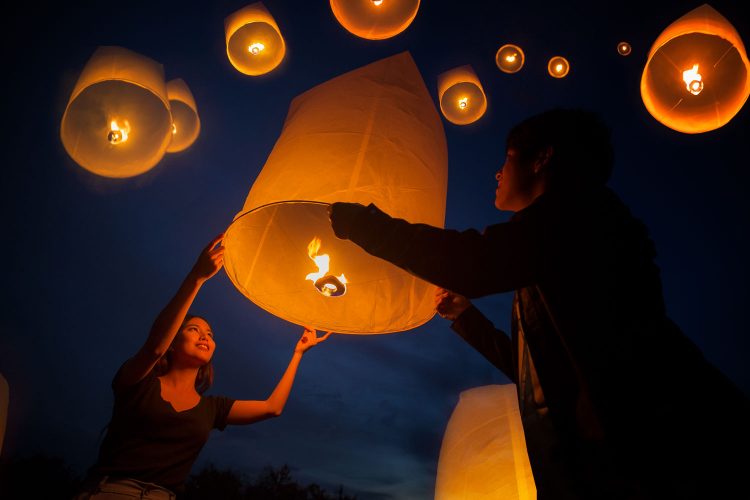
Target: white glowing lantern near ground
[
  {"x": 697, "y": 76},
  {"x": 462, "y": 98},
  {"x": 254, "y": 42},
  {"x": 372, "y": 135},
  {"x": 558, "y": 67},
  {"x": 510, "y": 58},
  {"x": 118, "y": 121},
  {"x": 483, "y": 455},
  {"x": 186, "y": 124},
  {"x": 375, "y": 19}
]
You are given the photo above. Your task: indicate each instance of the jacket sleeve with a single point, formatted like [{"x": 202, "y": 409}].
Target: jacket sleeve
[
  {"x": 481, "y": 334},
  {"x": 502, "y": 258}
]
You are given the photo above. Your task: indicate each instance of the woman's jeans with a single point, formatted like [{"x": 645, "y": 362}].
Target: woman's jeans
[{"x": 109, "y": 488}]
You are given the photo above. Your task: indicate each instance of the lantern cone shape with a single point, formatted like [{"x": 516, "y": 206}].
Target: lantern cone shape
[
  {"x": 117, "y": 122},
  {"x": 369, "y": 136},
  {"x": 375, "y": 19},
  {"x": 696, "y": 78},
  {"x": 4, "y": 399},
  {"x": 483, "y": 454},
  {"x": 185, "y": 122},
  {"x": 461, "y": 95},
  {"x": 254, "y": 43}
]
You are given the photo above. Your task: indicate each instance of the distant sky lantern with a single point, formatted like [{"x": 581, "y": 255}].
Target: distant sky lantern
[
  {"x": 696, "y": 77},
  {"x": 118, "y": 122},
  {"x": 372, "y": 135},
  {"x": 185, "y": 122},
  {"x": 558, "y": 67},
  {"x": 375, "y": 19},
  {"x": 461, "y": 95},
  {"x": 483, "y": 454},
  {"x": 254, "y": 43},
  {"x": 509, "y": 58},
  {"x": 623, "y": 48}
]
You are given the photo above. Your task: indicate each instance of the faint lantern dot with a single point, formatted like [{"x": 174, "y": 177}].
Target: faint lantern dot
[
  {"x": 509, "y": 58},
  {"x": 558, "y": 67},
  {"x": 623, "y": 48}
]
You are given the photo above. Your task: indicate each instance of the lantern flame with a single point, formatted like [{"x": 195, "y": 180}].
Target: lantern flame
[
  {"x": 256, "y": 48},
  {"x": 326, "y": 284},
  {"x": 559, "y": 68},
  {"x": 377, "y": 3},
  {"x": 117, "y": 134},
  {"x": 174, "y": 129},
  {"x": 693, "y": 80},
  {"x": 511, "y": 58},
  {"x": 463, "y": 103}
]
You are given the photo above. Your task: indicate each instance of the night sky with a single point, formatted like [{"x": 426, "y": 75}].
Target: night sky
[{"x": 89, "y": 262}]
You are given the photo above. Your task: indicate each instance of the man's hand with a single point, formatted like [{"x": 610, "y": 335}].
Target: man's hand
[{"x": 450, "y": 305}]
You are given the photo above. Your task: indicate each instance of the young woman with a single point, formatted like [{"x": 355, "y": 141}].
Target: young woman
[{"x": 161, "y": 420}]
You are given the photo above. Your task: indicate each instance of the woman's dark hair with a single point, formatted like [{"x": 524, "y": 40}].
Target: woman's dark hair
[
  {"x": 205, "y": 376},
  {"x": 581, "y": 144}
]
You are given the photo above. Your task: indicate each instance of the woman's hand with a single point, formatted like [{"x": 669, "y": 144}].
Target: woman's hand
[
  {"x": 450, "y": 305},
  {"x": 209, "y": 261},
  {"x": 309, "y": 339}
]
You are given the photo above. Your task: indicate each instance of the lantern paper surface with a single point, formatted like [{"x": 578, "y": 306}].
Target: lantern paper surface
[
  {"x": 117, "y": 122},
  {"x": 483, "y": 455},
  {"x": 696, "y": 78},
  {"x": 372, "y": 135},
  {"x": 4, "y": 398},
  {"x": 254, "y": 42},
  {"x": 186, "y": 124},
  {"x": 461, "y": 95},
  {"x": 375, "y": 19}
]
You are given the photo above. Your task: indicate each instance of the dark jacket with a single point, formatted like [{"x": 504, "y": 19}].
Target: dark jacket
[{"x": 617, "y": 374}]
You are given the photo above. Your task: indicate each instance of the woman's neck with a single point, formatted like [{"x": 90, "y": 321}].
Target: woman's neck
[{"x": 181, "y": 378}]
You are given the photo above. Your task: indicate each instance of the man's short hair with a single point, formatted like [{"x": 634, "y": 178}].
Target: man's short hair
[{"x": 583, "y": 153}]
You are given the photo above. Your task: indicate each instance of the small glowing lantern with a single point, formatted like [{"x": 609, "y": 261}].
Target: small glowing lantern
[
  {"x": 558, "y": 67},
  {"x": 118, "y": 122},
  {"x": 375, "y": 19},
  {"x": 461, "y": 95},
  {"x": 509, "y": 58},
  {"x": 696, "y": 77},
  {"x": 4, "y": 398},
  {"x": 185, "y": 122},
  {"x": 623, "y": 48},
  {"x": 254, "y": 43},
  {"x": 372, "y": 135},
  {"x": 483, "y": 454}
]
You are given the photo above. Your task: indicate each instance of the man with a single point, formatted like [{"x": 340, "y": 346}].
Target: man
[{"x": 616, "y": 401}]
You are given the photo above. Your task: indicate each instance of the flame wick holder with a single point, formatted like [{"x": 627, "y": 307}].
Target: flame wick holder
[{"x": 330, "y": 286}]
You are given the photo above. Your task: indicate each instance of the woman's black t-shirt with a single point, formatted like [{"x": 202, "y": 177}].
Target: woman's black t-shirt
[{"x": 150, "y": 441}]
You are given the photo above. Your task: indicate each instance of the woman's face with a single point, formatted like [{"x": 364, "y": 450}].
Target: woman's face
[
  {"x": 194, "y": 342},
  {"x": 517, "y": 185}
]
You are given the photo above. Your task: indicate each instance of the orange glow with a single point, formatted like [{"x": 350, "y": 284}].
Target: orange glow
[
  {"x": 558, "y": 67},
  {"x": 117, "y": 134},
  {"x": 509, "y": 58},
  {"x": 701, "y": 47},
  {"x": 254, "y": 42},
  {"x": 461, "y": 95},
  {"x": 186, "y": 124},
  {"x": 325, "y": 285},
  {"x": 623, "y": 48},
  {"x": 375, "y": 19}
]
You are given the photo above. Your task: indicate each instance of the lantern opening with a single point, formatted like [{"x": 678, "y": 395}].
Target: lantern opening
[
  {"x": 463, "y": 102},
  {"x": 326, "y": 284},
  {"x": 693, "y": 80},
  {"x": 116, "y": 134},
  {"x": 256, "y": 48}
]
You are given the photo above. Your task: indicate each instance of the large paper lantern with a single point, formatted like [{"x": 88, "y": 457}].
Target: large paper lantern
[
  {"x": 117, "y": 122},
  {"x": 696, "y": 77},
  {"x": 369, "y": 136},
  {"x": 461, "y": 95},
  {"x": 254, "y": 43},
  {"x": 185, "y": 122},
  {"x": 4, "y": 398},
  {"x": 375, "y": 19},
  {"x": 483, "y": 454}
]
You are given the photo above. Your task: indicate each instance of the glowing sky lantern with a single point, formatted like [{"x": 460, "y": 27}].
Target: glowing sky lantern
[
  {"x": 696, "y": 77},
  {"x": 185, "y": 122},
  {"x": 461, "y": 95},
  {"x": 624, "y": 49},
  {"x": 372, "y": 135},
  {"x": 118, "y": 122},
  {"x": 509, "y": 58},
  {"x": 4, "y": 399},
  {"x": 558, "y": 67},
  {"x": 254, "y": 43},
  {"x": 375, "y": 19},
  {"x": 483, "y": 454}
]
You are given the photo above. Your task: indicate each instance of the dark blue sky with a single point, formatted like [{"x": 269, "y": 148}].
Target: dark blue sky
[{"x": 89, "y": 262}]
